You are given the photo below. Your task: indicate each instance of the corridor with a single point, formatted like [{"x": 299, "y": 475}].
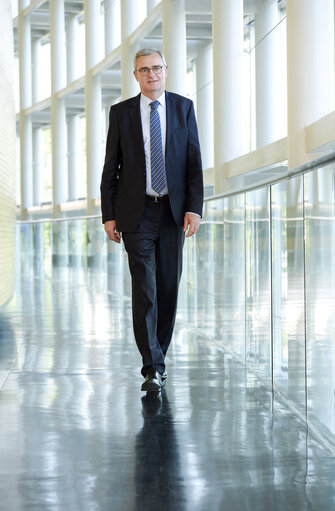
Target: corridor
[{"x": 77, "y": 433}]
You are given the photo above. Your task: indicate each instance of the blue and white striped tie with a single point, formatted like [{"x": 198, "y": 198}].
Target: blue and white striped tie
[{"x": 158, "y": 179}]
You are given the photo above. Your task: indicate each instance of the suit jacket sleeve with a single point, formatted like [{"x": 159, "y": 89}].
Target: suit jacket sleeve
[
  {"x": 112, "y": 166},
  {"x": 194, "y": 176}
]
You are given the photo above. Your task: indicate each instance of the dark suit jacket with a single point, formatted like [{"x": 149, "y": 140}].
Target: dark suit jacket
[{"x": 123, "y": 184}]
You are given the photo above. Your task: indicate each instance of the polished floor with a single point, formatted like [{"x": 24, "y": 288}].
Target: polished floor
[{"x": 77, "y": 433}]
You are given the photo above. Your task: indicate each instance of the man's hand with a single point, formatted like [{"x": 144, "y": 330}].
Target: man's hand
[
  {"x": 191, "y": 224},
  {"x": 112, "y": 233}
]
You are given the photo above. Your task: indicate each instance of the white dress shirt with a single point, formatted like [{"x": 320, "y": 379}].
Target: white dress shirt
[{"x": 145, "y": 119}]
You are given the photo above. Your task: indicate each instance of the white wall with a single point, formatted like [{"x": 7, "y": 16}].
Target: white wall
[{"x": 7, "y": 154}]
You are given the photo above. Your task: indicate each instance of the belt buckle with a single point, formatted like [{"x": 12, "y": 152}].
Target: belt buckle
[{"x": 156, "y": 198}]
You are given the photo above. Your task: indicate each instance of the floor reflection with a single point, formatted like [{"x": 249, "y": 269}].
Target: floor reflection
[
  {"x": 159, "y": 482},
  {"x": 77, "y": 433},
  {"x": 7, "y": 348}
]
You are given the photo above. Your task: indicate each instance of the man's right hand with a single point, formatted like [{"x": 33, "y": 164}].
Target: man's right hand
[{"x": 112, "y": 233}]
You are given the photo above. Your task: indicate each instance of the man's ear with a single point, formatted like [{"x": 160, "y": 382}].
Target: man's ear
[{"x": 134, "y": 73}]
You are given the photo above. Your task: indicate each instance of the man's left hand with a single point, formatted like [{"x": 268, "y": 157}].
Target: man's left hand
[{"x": 191, "y": 224}]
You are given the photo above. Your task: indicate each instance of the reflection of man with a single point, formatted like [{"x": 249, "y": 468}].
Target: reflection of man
[
  {"x": 152, "y": 192},
  {"x": 158, "y": 472}
]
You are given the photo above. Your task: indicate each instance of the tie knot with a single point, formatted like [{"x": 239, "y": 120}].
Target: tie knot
[{"x": 154, "y": 105}]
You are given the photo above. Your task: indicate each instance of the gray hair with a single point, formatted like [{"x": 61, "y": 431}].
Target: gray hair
[{"x": 147, "y": 51}]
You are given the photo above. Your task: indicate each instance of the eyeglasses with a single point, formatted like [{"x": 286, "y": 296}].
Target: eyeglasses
[{"x": 145, "y": 70}]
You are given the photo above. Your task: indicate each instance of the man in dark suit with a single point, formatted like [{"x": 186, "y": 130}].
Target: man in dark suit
[{"x": 152, "y": 193}]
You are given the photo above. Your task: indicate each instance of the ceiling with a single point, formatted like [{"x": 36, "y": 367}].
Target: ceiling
[{"x": 198, "y": 34}]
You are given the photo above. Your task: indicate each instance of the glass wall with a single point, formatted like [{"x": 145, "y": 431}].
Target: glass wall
[
  {"x": 288, "y": 309},
  {"x": 258, "y": 281},
  {"x": 319, "y": 205},
  {"x": 268, "y": 280}
]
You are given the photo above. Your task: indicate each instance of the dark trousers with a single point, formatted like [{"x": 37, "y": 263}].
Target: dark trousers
[{"x": 155, "y": 262}]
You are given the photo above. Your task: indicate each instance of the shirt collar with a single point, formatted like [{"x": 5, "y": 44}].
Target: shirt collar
[{"x": 146, "y": 101}]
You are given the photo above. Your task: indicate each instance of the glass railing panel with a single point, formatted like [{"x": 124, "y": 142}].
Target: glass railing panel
[
  {"x": 77, "y": 243},
  {"x": 117, "y": 270},
  {"x": 288, "y": 290},
  {"x": 258, "y": 284},
  {"x": 201, "y": 251},
  {"x": 232, "y": 286},
  {"x": 189, "y": 307},
  {"x": 212, "y": 270},
  {"x": 320, "y": 295}
]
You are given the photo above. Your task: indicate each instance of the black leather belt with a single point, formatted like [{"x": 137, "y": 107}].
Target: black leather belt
[{"x": 157, "y": 199}]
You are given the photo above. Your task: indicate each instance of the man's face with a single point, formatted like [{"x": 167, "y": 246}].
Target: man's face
[{"x": 152, "y": 85}]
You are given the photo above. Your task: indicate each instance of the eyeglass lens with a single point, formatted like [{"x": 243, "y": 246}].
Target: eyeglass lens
[{"x": 155, "y": 69}]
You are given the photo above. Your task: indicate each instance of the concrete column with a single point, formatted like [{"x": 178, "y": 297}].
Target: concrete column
[
  {"x": 58, "y": 45},
  {"x": 26, "y": 157},
  {"x": 72, "y": 49},
  {"x": 268, "y": 85},
  {"x": 252, "y": 104},
  {"x": 24, "y": 42},
  {"x": 93, "y": 105},
  {"x": 73, "y": 155},
  {"x": 310, "y": 70},
  {"x": 227, "y": 73},
  {"x": 59, "y": 154},
  {"x": 204, "y": 85},
  {"x": 24, "y": 36},
  {"x": 37, "y": 165},
  {"x": 151, "y": 4},
  {"x": 92, "y": 34},
  {"x": 36, "y": 46},
  {"x": 131, "y": 16},
  {"x": 58, "y": 111},
  {"x": 23, "y": 4},
  {"x": 174, "y": 44},
  {"x": 112, "y": 25},
  {"x": 93, "y": 140}
]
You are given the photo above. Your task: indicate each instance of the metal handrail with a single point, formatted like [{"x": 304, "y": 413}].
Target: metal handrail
[{"x": 297, "y": 171}]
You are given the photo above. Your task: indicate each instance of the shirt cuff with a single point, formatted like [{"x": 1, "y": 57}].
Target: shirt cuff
[{"x": 196, "y": 214}]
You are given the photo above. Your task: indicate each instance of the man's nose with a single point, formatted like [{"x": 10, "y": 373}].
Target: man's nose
[{"x": 150, "y": 70}]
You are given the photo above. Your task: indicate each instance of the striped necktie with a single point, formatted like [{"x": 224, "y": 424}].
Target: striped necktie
[{"x": 158, "y": 179}]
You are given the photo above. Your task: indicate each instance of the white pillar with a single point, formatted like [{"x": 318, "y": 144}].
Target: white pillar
[
  {"x": 227, "y": 73},
  {"x": 174, "y": 44},
  {"x": 131, "y": 16},
  {"x": 72, "y": 49},
  {"x": 23, "y": 4},
  {"x": 59, "y": 154},
  {"x": 268, "y": 86},
  {"x": 26, "y": 156},
  {"x": 129, "y": 86},
  {"x": 93, "y": 105},
  {"x": 151, "y": 4},
  {"x": 36, "y": 46},
  {"x": 310, "y": 70},
  {"x": 112, "y": 25},
  {"x": 58, "y": 111},
  {"x": 204, "y": 74},
  {"x": 92, "y": 34},
  {"x": 73, "y": 156},
  {"x": 24, "y": 37},
  {"x": 58, "y": 45},
  {"x": 24, "y": 41},
  {"x": 37, "y": 165},
  {"x": 93, "y": 140}
]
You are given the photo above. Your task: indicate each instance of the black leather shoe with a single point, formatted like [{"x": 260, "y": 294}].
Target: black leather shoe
[
  {"x": 164, "y": 378},
  {"x": 152, "y": 382}
]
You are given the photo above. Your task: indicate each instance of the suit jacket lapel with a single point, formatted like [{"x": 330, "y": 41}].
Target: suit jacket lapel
[
  {"x": 135, "y": 114},
  {"x": 168, "y": 119}
]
